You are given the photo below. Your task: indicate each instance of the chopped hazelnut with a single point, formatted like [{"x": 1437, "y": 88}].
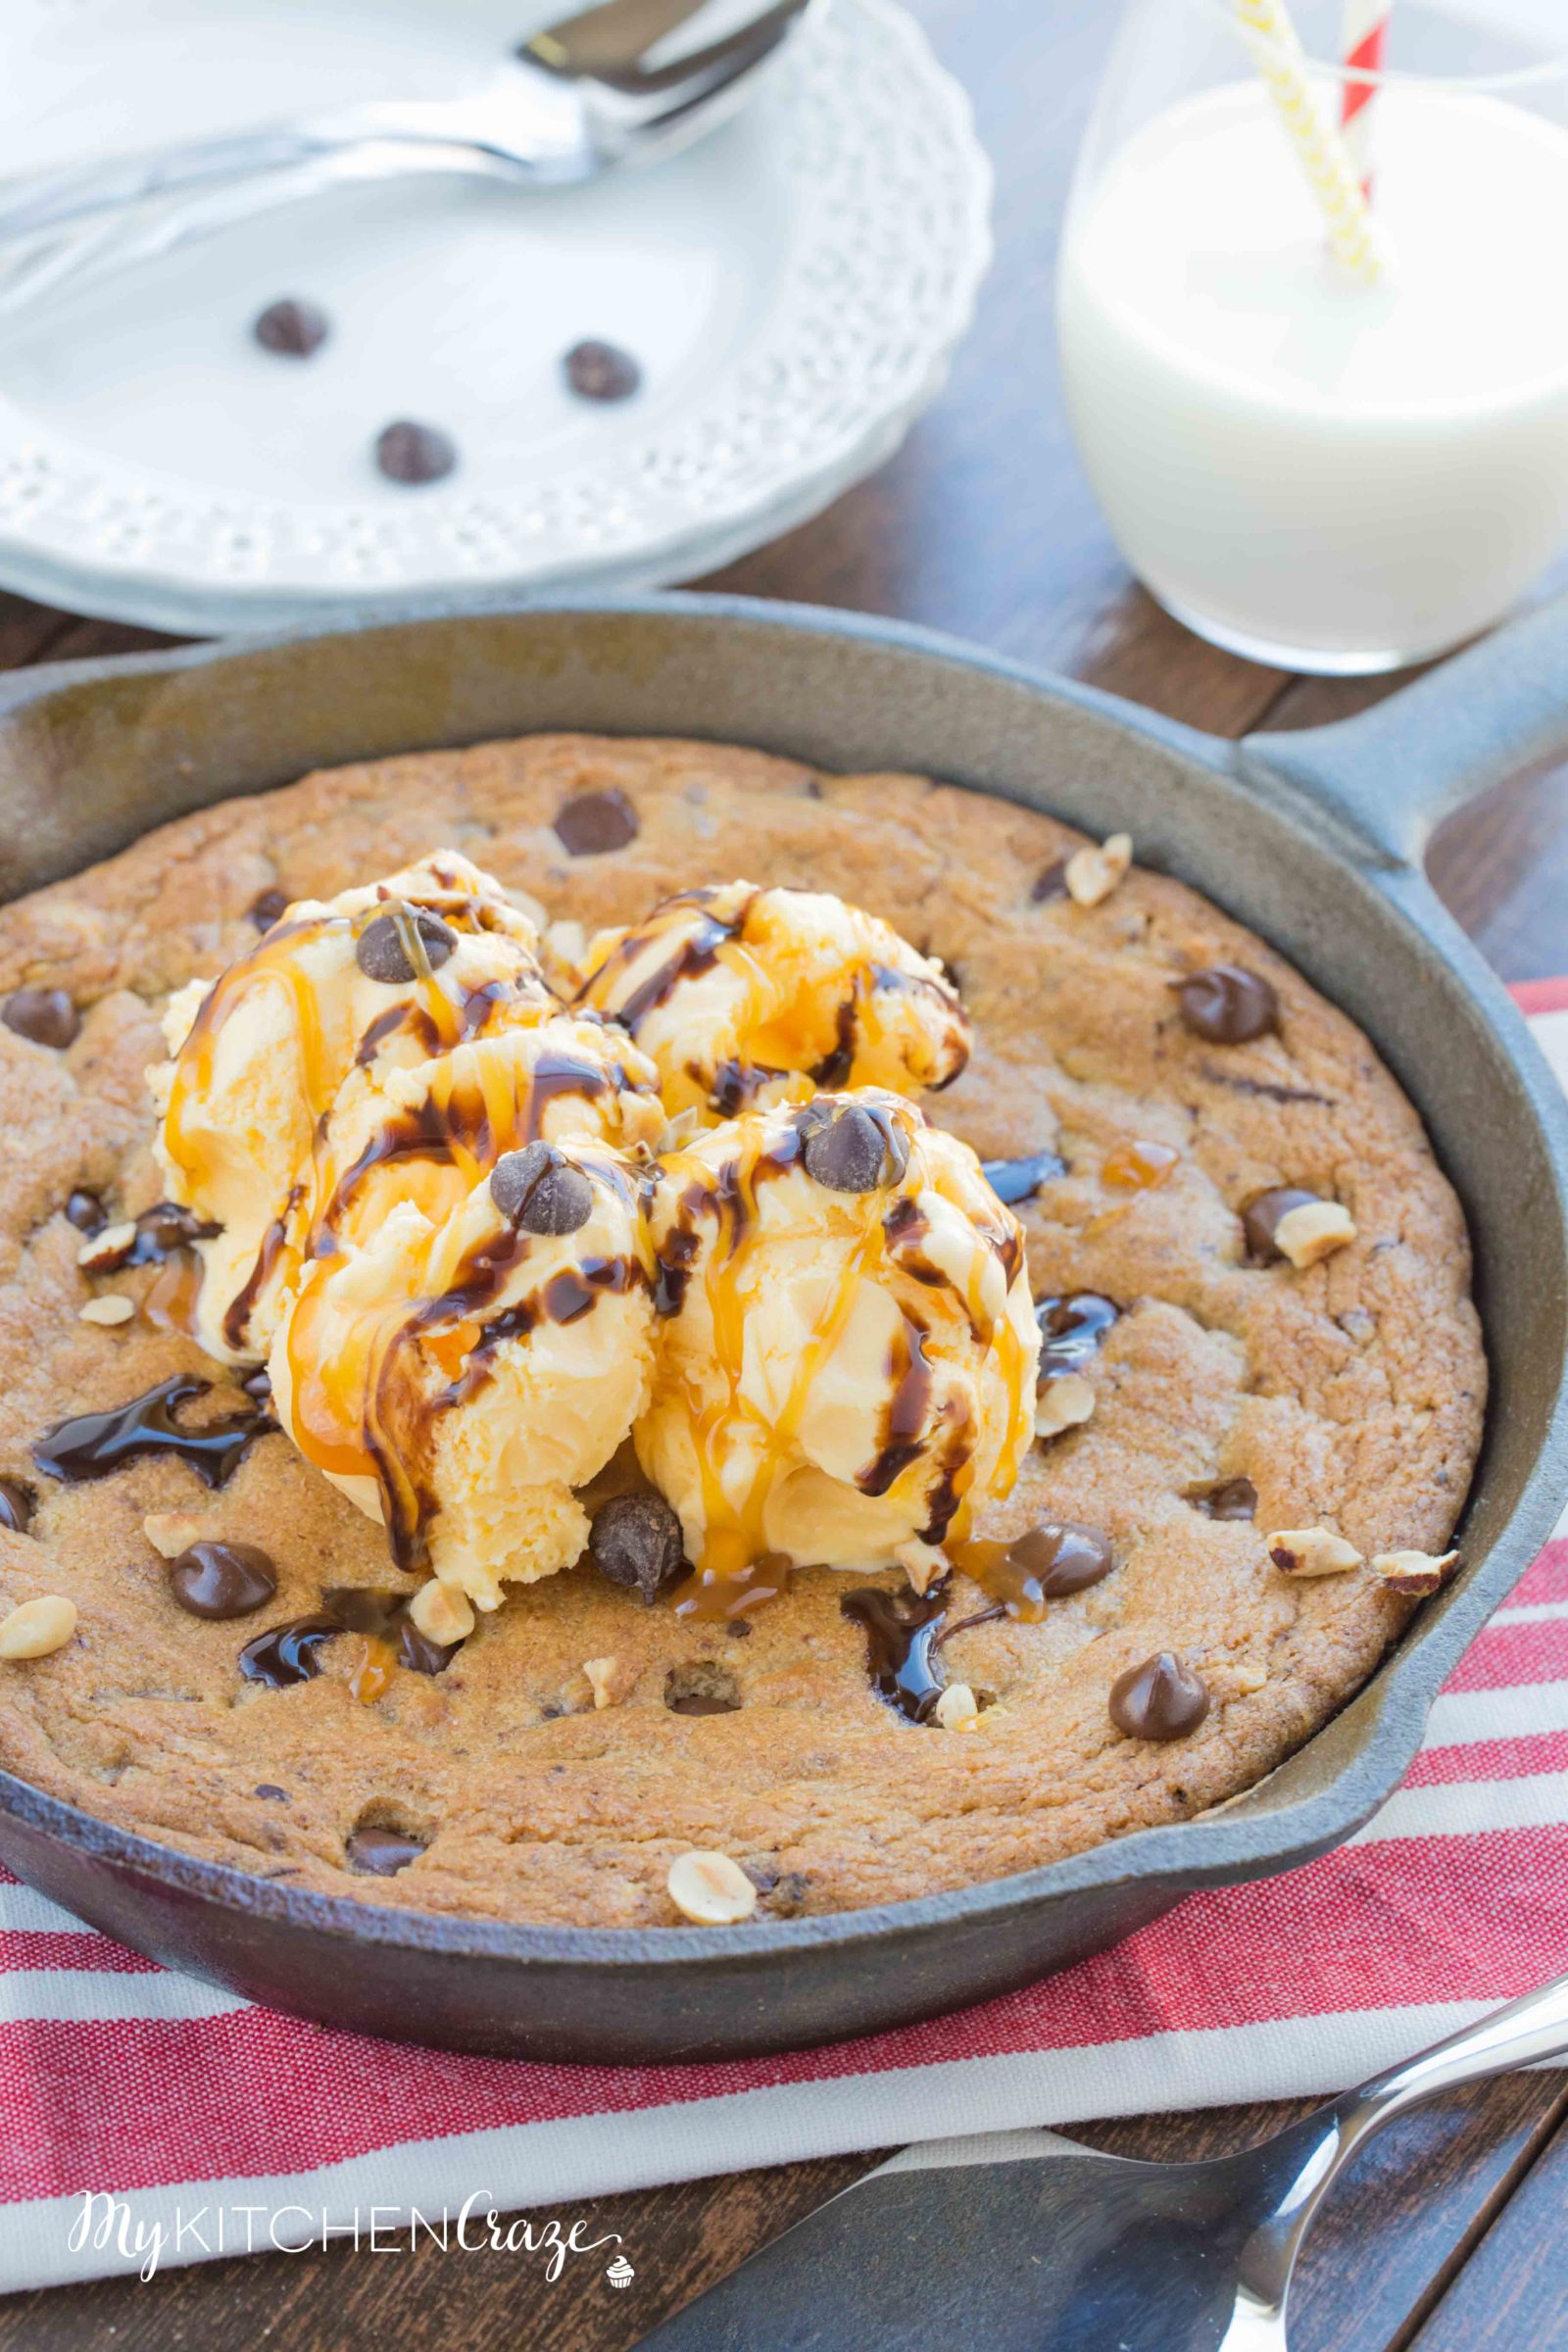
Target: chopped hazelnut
[
  {"x": 610, "y": 1680},
  {"x": 173, "y": 1532},
  {"x": 106, "y": 1248},
  {"x": 1064, "y": 1402},
  {"x": 114, "y": 1309},
  {"x": 1414, "y": 1571},
  {"x": 1312, "y": 1551},
  {"x": 37, "y": 1627},
  {"x": 1092, "y": 874},
  {"x": 957, "y": 1710},
  {"x": 1314, "y": 1231},
  {"x": 441, "y": 1612},
  {"x": 711, "y": 1889}
]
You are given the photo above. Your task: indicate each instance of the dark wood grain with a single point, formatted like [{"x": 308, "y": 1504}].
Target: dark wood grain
[{"x": 1449, "y": 2236}]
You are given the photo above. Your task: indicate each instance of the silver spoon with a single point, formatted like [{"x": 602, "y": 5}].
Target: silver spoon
[
  {"x": 575, "y": 101},
  {"x": 1079, "y": 2252}
]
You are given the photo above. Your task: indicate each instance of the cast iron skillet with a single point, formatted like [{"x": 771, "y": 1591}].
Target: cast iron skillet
[{"x": 1311, "y": 839}]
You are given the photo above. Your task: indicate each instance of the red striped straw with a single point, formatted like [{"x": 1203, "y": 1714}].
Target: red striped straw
[{"x": 1365, "y": 33}]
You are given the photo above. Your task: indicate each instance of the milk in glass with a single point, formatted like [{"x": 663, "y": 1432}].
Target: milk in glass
[{"x": 1297, "y": 463}]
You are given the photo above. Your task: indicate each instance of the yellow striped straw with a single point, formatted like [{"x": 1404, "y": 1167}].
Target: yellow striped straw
[{"x": 1322, "y": 154}]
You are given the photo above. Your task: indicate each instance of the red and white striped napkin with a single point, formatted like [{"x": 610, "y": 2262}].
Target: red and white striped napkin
[{"x": 217, "y": 2124}]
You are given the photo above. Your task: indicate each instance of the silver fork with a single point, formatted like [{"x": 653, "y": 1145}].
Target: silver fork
[
  {"x": 1071, "y": 2251},
  {"x": 575, "y": 101}
]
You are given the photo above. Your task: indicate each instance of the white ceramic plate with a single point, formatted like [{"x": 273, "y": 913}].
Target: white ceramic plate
[{"x": 792, "y": 287}]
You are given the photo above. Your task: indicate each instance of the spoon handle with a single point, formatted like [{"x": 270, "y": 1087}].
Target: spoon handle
[
  {"x": 1315, "y": 2153},
  {"x": 1526, "y": 2031}
]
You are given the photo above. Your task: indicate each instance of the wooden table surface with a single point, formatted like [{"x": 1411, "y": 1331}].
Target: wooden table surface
[{"x": 1449, "y": 2236}]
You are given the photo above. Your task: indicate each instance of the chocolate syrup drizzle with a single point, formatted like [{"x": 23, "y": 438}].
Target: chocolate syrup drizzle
[
  {"x": 903, "y": 1631},
  {"x": 292, "y": 1652},
  {"x": 92, "y": 1446}
]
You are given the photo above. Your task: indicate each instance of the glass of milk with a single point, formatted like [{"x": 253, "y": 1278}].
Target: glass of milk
[{"x": 1322, "y": 474}]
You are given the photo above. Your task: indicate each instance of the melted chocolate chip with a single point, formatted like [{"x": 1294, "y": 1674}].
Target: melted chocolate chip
[
  {"x": 597, "y": 370},
  {"x": 1050, "y": 883},
  {"x": 381, "y": 1852},
  {"x": 266, "y": 906},
  {"x": 16, "y": 1505},
  {"x": 703, "y": 1687},
  {"x": 288, "y": 1653},
  {"x": 270, "y": 1788},
  {"x": 86, "y": 1212},
  {"x": 292, "y": 328},
  {"x": 259, "y": 1384},
  {"x": 596, "y": 822},
  {"x": 45, "y": 1016},
  {"x": 636, "y": 1541},
  {"x": 1059, "y": 1556},
  {"x": 1161, "y": 1699},
  {"x": 384, "y": 949},
  {"x": 222, "y": 1579},
  {"x": 1263, "y": 1214},
  {"x": 1227, "y": 1005},
  {"x": 543, "y": 1192},
  {"x": 854, "y": 1151},
  {"x": 739, "y": 1629},
  {"x": 1014, "y": 1180},
  {"x": 903, "y": 1630},
  {"x": 160, "y": 1230},
  {"x": 413, "y": 454},
  {"x": 94, "y": 1444},
  {"x": 1230, "y": 1498},
  {"x": 1071, "y": 1328}
]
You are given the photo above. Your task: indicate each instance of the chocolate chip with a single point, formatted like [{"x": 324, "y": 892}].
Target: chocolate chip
[
  {"x": 1015, "y": 1180},
  {"x": 1231, "y": 1499},
  {"x": 636, "y": 1541},
  {"x": 739, "y": 1629},
  {"x": 45, "y": 1016},
  {"x": 601, "y": 371},
  {"x": 1061, "y": 1556},
  {"x": 1050, "y": 883},
  {"x": 540, "y": 1191},
  {"x": 16, "y": 1505},
  {"x": 266, "y": 907},
  {"x": 383, "y": 948},
  {"x": 222, "y": 1579},
  {"x": 413, "y": 454},
  {"x": 86, "y": 1212},
  {"x": 292, "y": 328},
  {"x": 1161, "y": 1699},
  {"x": 853, "y": 1151},
  {"x": 271, "y": 1790},
  {"x": 596, "y": 822},
  {"x": 1227, "y": 1005},
  {"x": 381, "y": 1852},
  {"x": 1263, "y": 1216},
  {"x": 701, "y": 1688}
]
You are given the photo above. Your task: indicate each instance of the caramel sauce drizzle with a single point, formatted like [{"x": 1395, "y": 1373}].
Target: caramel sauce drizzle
[
  {"x": 736, "y": 1552},
  {"x": 778, "y": 1036},
  {"x": 439, "y": 1013}
]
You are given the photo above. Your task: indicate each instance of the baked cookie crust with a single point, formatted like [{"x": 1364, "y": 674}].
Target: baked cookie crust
[{"x": 1349, "y": 1393}]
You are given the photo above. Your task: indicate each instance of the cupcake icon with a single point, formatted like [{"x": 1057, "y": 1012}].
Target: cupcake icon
[{"x": 621, "y": 2272}]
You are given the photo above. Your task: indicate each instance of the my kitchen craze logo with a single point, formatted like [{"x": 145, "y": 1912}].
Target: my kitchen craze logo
[{"x": 107, "y": 2222}]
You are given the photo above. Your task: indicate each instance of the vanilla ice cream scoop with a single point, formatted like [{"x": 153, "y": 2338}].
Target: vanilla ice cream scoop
[
  {"x": 746, "y": 996},
  {"x": 459, "y": 1380},
  {"x": 339, "y": 993},
  {"x": 846, "y": 1345}
]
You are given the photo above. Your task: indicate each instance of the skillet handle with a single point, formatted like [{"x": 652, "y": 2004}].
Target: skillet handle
[{"x": 1391, "y": 774}]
